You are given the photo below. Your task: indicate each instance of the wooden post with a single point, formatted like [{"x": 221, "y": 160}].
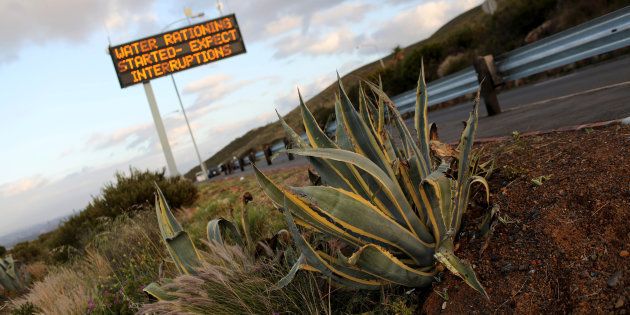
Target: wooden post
[
  {"x": 487, "y": 77},
  {"x": 252, "y": 157},
  {"x": 287, "y": 145},
  {"x": 267, "y": 152},
  {"x": 241, "y": 164}
]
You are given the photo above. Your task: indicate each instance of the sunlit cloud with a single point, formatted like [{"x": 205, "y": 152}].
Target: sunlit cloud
[{"x": 22, "y": 185}]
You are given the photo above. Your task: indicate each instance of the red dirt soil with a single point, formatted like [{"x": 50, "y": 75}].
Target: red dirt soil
[{"x": 566, "y": 250}]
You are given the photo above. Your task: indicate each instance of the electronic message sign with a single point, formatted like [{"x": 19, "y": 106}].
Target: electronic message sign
[{"x": 173, "y": 51}]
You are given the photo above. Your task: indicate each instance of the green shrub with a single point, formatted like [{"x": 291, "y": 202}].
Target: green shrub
[
  {"x": 127, "y": 194},
  {"x": 28, "y": 251}
]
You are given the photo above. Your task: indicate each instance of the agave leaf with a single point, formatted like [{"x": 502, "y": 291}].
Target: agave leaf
[
  {"x": 381, "y": 109},
  {"x": 377, "y": 261},
  {"x": 341, "y": 135},
  {"x": 318, "y": 263},
  {"x": 364, "y": 110},
  {"x": 463, "y": 169},
  {"x": 421, "y": 117},
  {"x": 6, "y": 280},
  {"x": 317, "y": 219},
  {"x": 336, "y": 173},
  {"x": 423, "y": 165},
  {"x": 294, "y": 136},
  {"x": 403, "y": 214},
  {"x": 484, "y": 183},
  {"x": 156, "y": 291},
  {"x": 410, "y": 187},
  {"x": 291, "y": 274},
  {"x": 438, "y": 193},
  {"x": 216, "y": 230},
  {"x": 184, "y": 253},
  {"x": 466, "y": 143},
  {"x": 168, "y": 223},
  {"x": 333, "y": 173},
  {"x": 360, "y": 134},
  {"x": 358, "y": 215},
  {"x": 488, "y": 219},
  {"x": 317, "y": 137},
  {"x": 341, "y": 264},
  {"x": 178, "y": 243},
  {"x": 460, "y": 268}
]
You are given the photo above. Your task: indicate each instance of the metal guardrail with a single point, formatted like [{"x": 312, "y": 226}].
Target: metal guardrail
[
  {"x": 441, "y": 90},
  {"x": 600, "y": 35}
]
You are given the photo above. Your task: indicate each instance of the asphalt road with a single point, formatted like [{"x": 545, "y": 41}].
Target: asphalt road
[
  {"x": 592, "y": 94},
  {"x": 596, "y": 93}
]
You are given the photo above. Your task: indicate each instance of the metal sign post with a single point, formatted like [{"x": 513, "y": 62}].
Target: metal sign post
[
  {"x": 159, "y": 126},
  {"x": 163, "y": 54}
]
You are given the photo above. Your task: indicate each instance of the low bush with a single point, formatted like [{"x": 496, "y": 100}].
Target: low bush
[
  {"x": 128, "y": 193},
  {"x": 109, "y": 277}
]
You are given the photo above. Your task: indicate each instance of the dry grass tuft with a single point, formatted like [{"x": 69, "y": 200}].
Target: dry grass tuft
[
  {"x": 37, "y": 270},
  {"x": 230, "y": 282},
  {"x": 68, "y": 290}
]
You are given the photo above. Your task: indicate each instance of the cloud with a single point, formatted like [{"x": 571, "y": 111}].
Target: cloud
[
  {"x": 329, "y": 30},
  {"x": 283, "y": 25},
  {"x": 254, "y": 16},
  {"x": 39, "y": 22},
  {"x": 341, "y": 40},
  {"x": 211, "y": 81},
  {"x": 416, "y": 23},
  {"x": 213, "y": 88},
  {"x": 132, "y": 136},
  {"x": 290, "y": 100},
  {"x": 341, "y": 14},
  {"x": 22, "y": 185}
]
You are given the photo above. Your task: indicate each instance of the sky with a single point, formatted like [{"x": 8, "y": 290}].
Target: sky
[{"x": 66, "y": 126}]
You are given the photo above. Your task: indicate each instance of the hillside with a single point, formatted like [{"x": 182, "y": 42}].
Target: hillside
[
  {"x": 449, "y": 49},
  {"x": 322, "y": 103}
]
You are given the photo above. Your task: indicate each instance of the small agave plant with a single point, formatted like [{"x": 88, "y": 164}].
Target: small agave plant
[
  {"x": 12, "y": 278},
  {"x": 185, "y": 256},
  {"x": 397, "y": 205}
]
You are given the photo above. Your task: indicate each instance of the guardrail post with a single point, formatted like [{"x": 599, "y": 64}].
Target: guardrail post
[
  {"x": 488, "y": 77},
  {"x": 287, "y": 145},
  {"x": 267, "y": 152}
]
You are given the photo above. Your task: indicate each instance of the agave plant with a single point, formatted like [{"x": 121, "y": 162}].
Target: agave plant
[
  {"x": 397, "y": 205},
  {"x": 12, "y": 278},
  {"x": 186, "y": 258}
]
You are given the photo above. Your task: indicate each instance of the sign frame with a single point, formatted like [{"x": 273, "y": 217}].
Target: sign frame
[{"x": 237, "y": 42}]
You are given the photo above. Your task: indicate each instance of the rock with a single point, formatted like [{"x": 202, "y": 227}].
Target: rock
[
  {"x": 613, "y": 281},
  {"x": 620, "y": 302},
  {"x": 539, "y": 32},
  {"x": 624, "y": 253},
  {"x": 444, "y": 305}
]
